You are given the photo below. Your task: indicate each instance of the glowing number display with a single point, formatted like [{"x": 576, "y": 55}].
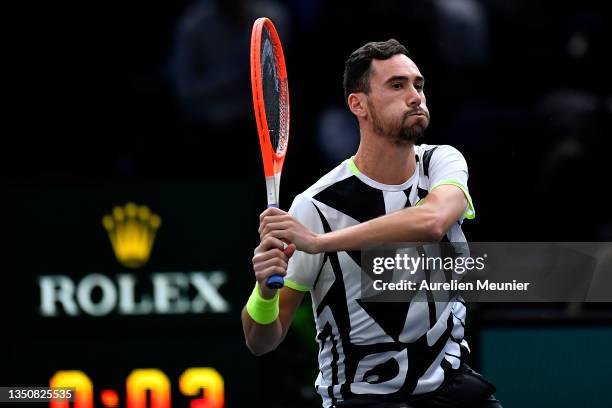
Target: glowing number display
[
  {"x": 195, "y": 379},
  {"x": 78, "y": 380},
  {"x": 109, "y": 398},
  {"x": 141, "y": 380}
]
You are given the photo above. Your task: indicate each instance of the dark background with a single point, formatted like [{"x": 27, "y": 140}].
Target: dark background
[{"x": 108, "y": 102}]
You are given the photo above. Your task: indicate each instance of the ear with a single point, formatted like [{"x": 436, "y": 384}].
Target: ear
[{"x": 357, "y": 104}]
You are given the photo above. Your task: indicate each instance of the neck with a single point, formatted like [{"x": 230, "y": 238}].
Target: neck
[{"x": 383, "y": 161}]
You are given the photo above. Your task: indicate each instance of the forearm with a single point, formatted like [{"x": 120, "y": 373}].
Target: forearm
[
  {"x": 268, "y": 312},
  {"x": 261, "y": 338},
  {"x": 413, "y": 224}
]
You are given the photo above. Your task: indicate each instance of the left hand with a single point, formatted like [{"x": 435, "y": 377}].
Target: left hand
[{"x": 279, "y": 224}]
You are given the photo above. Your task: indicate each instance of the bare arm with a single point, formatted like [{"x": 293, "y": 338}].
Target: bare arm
[
  {"x": 427, "y": 222},
  {"x": 271, "y": 259},
  {"x": 263, "y": 338}
]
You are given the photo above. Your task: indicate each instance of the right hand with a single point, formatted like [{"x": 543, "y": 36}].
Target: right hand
[
  {"x": 271, "y": 259},
  {"x": 277, "y": 223}
]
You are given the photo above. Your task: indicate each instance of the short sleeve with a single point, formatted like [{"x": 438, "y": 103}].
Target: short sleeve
[
  {"x": 448, "y": 167},
  {"x": 304, "y": 267}
]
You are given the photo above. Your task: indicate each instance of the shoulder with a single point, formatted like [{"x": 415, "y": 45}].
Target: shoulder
[
  {"x": 303, "y": 206},
  {"x": 337, "y": 174},
  {"x": 436, "y": 157},
  {"x": 437, "y": 150}
]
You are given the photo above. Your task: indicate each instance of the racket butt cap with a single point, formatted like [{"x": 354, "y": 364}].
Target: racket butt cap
[{"x": 275, "y": 282}]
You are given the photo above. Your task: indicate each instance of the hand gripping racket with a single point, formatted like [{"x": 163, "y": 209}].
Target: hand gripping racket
[{"x": 271, "y": 102}]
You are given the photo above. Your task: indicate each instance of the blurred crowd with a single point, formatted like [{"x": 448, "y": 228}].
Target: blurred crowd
[
  {"x": 160, "y": 93},
  {"x": 520, "y": 87}
]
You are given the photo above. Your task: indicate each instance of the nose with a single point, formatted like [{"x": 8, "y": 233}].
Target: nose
[{"x": 414, "y": 97}]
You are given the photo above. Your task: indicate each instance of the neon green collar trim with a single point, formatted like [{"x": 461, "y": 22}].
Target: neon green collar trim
[{"x": 352, "y": 167}]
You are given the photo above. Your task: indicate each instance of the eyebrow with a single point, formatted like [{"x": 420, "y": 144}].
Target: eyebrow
[{"x": 404, "y": 78}]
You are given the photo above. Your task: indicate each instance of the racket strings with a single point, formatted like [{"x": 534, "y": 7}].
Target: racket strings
[
  {"x": 283, "y": 133},
  {"x": 275, "y": 94}
]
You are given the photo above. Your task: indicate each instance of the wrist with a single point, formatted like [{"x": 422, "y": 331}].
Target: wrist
[
  {"x": 265, "y": 292},
  {"x": 262, "y": 310},
  {"x": 320, "y": 243}
]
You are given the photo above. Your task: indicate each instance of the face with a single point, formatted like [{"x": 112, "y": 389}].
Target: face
[{"x": 396, "y": 104}]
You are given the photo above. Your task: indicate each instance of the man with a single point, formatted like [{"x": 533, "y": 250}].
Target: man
[{"x": 406, "y": 354}]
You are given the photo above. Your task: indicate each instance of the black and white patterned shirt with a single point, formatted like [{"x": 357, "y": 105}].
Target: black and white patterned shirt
[{"x": 375, "y": 349}]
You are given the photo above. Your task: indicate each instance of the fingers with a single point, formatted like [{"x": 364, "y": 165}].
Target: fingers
[
  {"x": 263, "y": 265},
  {"x": 262, "y": 274},
  {"x": 283, "y": 235},
  {"x": 273, "y": 227},
  {"x": 272, "y": 219},
  {"x": 271, "y": 212},
  {"x": 271, "y": 254},
  {"x": 269, "y": 243},
  {"x": 273, "y": 261},
  {"x": 290, "y": 250}
]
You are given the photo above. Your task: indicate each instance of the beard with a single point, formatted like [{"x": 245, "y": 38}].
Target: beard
[{"x": 399, "y": 131}]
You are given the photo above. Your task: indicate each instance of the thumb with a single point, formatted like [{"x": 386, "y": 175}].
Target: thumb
[{"x": 289, "y": 250}]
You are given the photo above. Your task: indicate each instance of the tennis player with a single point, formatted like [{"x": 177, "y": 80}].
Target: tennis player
[{"x": 387, "y": 355}]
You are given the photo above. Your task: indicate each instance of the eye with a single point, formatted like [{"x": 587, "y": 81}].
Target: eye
[
  {"x": 419, "y": 87},
  {"x": 397, "y": 85}
]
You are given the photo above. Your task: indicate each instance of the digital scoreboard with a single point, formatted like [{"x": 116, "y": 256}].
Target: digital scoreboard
[{"x": 130, "y": 294}]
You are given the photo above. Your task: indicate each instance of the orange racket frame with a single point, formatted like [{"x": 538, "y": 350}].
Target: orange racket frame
[{"x": 272, "y": 160}]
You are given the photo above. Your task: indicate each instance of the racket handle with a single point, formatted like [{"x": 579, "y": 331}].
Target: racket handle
[{"x": 275, "y": 281}]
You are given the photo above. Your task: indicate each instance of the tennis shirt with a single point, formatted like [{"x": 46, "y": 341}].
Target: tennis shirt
[{"x": 375, "y": 349}]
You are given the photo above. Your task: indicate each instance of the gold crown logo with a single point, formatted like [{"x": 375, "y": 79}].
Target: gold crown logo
[{"x": 131, "y": 230}]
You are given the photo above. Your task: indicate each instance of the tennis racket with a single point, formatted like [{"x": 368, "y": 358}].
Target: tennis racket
[{"x": 271, "y": 102}]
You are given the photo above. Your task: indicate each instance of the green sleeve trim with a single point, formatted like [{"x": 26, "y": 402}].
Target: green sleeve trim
[
  {"x": 296, "y": 286},
  {"x": 352, "y": 167},
  {"x": 263, "y": 311},
  {"x": 470, "y": 212}
]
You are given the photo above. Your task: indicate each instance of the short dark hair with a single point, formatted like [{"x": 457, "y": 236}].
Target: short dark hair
[{"x": 357, "y": 66}]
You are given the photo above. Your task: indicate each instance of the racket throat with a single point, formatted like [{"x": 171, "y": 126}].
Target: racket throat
[{"x": 273, "y": 188}]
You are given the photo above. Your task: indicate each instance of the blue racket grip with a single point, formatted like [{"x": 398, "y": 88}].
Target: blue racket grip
[{"x": 275, "y": 281}]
